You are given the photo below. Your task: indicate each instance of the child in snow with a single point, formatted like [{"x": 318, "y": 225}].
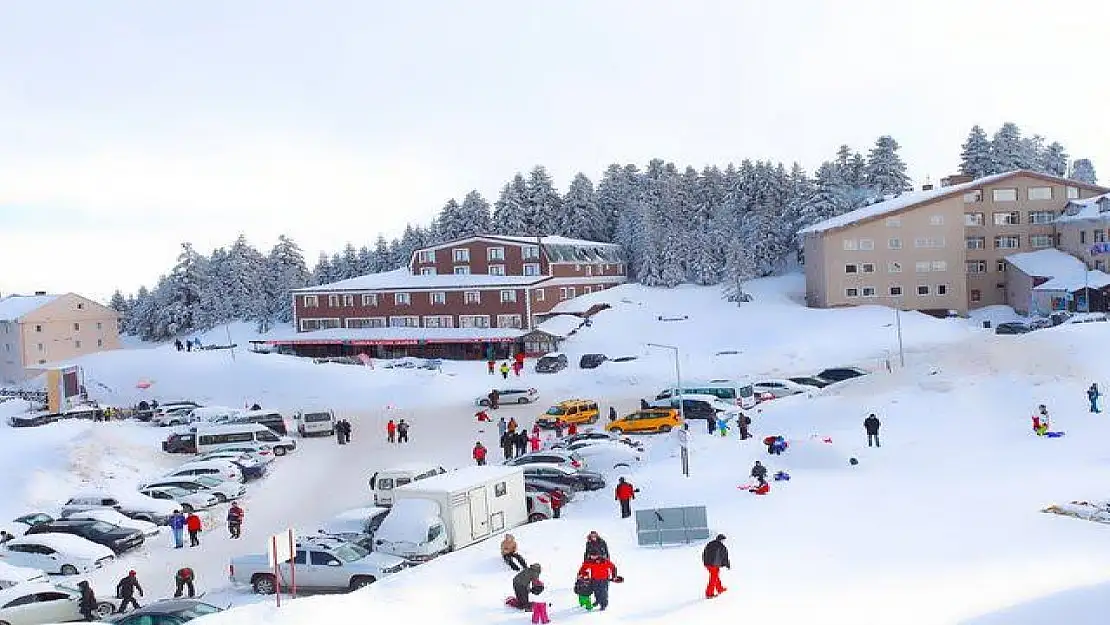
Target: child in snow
[
  {"x": 1040, "y": 421},
  {"x": 722, "y": 425},
  {"x": 1092, "y": 396},
  {"x": 585, "y": 591}
]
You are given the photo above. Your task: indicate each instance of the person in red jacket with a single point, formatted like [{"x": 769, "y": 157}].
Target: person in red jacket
[
  {"x": 600, "y": 571},
  {"x": 625, "y": 494},
  {"x": 479, "y": 453},
  {"x": 557, "y": 501},
  {"x": 391, "y": 431},
  {"x": 192, "y": 523}
]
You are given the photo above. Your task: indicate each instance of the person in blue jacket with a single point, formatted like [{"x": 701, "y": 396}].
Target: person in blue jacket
[
  {"x": 177, "y": 525},
  {"x": 1092, "y": 396},
  {"x": 722, "y": 425}
]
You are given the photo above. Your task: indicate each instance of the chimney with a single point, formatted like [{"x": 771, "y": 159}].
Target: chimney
[{"x": 928, "y": 186}]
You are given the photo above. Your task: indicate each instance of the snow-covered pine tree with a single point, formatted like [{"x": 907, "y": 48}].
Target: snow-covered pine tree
[
  {"x": 322, "y": 273},
  {"x": 580, "y": 217},
  {"x": 829, "y": 198},
  {"x": 976, "y": 159},
  {"x": 365, "y": 260},
  {"x": 886, "y": 172},
  {"x": 183, "y": 288},
  {"x": 118, "y": 303},
  {"x": 382, "y": 261},
  {"x": 1054, "y": 160},
  {"x": 348, "y": 262},
  {"x": 1032, "y": 153},
  {"x": 542, "y": 206},
  {"x": 285, "y": 270},
  {"x": 140, "y": 319},
  {"x": 509, "y": 209},
  {"x": 412, "y": 239},
  {"x": 614, "y": 196},
  {"x": 704, "y": 253},
  {"x": 476, "y": 214},
  {"x": 451, "y": 223},
  {"x": 1008, "y": 151},
  {"x": 1083, "y": 170}
]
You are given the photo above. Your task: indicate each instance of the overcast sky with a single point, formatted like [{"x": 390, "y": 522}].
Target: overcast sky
[{"x": 127, "y": 127}]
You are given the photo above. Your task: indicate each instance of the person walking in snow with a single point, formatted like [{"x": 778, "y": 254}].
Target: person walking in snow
[
  {"x": 1092, "y": 396},
  {"x": 534, "y": 442},
  {"x": 600, "y": 570},
  {"x": 86, "y": 605},
  {"x": 192, "y": 523},
  {"x": 523, "y": 583},
  {"x": 494, "y": 399},
  {"x": 178, "y": 345},
  {"x": 184, "y": 578},
  {"x": 572, "y": 428},
  {"x": 177, "y": 526},
  {"x": 625, "y": 493},
  {"x": 502, "y": 427},
  {"x": 1041, "y": 421},
  {"x": 612, "y": 414},
  {"x": 507, "y": 445},
  {"x": 557, "y": 502},
  {"x": 339, "y": 433},
  {"x": 560, "y": 425},
  {"x": 509, "y": 554},
  {"x": 715, "y": 557},
  {"x": 744, "y": 423},
  {"x": 711, "y": 425},
  {"x": 235, "y": 516},
  {"x": 512, "y": 425},
  {"x": 521, "y": 439},
  {"x": 189, "y": 345},
  {"x": 402, "y": 431},
  {"x": 759, "y": 472},
  {"x": 722, "y": 424},
  {"x": 479, "y": 454},
  {"x": 871, "y": 425},
  {"x": 391, "y": 431},
  {"x": 504, "y": 371},
  {"x": 595, "y": 544},
  {"x": 490, "y": 366},
  {"x": 126, "y": 589}
]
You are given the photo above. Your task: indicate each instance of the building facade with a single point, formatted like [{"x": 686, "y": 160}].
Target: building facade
[
  {"x": 937, "y": 250},
  {"x": 39, "y": 329}
]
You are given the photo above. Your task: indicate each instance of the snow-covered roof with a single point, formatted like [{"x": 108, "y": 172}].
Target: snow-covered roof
[
  {"x": 461, "y": 479},
  {"x": 906, "y": 200},
  {"x": 1047, "y": 263},
  {"x": 1089, "y": 209},
  {"x": 1075, "y": 281},
  {"x": 561, "y": 325},
  {"x": 403, "y": 279},
  {"x": 557, "y": 240},
  {"x": 397, "y": 336},
  {"x": 15, "y": 307},
  {"x": 408, "y": 520},
  {"x": 66, "y": 543}
]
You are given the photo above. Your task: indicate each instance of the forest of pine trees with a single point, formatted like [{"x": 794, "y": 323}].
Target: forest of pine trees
[{"x": 676, "y": 225}]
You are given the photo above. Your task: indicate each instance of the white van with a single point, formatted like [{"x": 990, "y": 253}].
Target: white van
[
  {"x": 382, "y": 483},
  {"x": 740, "y": 393},
  {"x": 210, "y": 437},
  {"x": 314, "y": 422}
]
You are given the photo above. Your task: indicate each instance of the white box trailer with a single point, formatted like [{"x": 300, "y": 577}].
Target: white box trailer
[{"x": 454, "y": 510}]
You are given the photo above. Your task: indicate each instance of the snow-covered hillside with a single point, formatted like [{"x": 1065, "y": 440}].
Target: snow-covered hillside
[{"x": 939, "y": 526}]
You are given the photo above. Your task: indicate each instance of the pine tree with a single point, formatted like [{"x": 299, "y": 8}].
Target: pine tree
[
  {"x": 183, "y": 289},
  {"x": 614, "y": 196},
  {"x": 829, "y": 199},
  {"x": 580, "y": 217},
  {"x": 1083, "y": 170},
  {"x": 886, "y": 172},
  {"x": 348, "y": 262},
  {"x": 476, "y": 214},
  {"x": 118, "y": 303},
  {"x": 451, "y": 223},
  {"x": 382, "y": 259},
  {"x": 285, "y": 270},
  {"x": 976, "y": 159},
  {"x": 1054, "y": 160},
  {"x": 1008, "y": 151},
  {"x": 322, "y": 273},
  {"x": 509, "y": 212},
  {"x": 365, "y": 261},
  {"x": 1032, "y": 153},
  {"x": 542, "y": 205}
]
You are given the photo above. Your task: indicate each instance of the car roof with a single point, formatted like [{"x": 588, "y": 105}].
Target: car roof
[
  {"x": 26, "y": 588},
  {"x": 169, "y": 605}
]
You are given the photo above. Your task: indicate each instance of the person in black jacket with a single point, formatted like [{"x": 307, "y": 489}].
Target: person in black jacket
[
  {"x": 87, "y": 603},
  {"x": 522, "y": 584},
  {"x": 872, "y": 424},
  {"x": 759, "y": 472},
  {"x": 715, "y": 556},
  {"x": 595, "y": 544},
  {"x": 184, "y": 579},
  {"x": 507, "y": 445},
  {"x": 125, "y": 590},
  {"x": 521, "y": 441}
]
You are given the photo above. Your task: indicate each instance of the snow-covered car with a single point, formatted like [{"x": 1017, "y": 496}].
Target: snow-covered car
[
  {"x": 252, "y": 466},
  {"x": 839, "y": 374},
  {"x": 780, "y": 387},
  {"x": 607, "y": 454},
  {"x": 174, "y": 416},
  {"x": 64, "y": 554},
  {"x": 321, "y": 566},
  {"x": 357, "y": 525},
  {"x": 109, "y": 515},
  {"x": 568, "y": 459},
  {"x": 511, "y": 396},
  {"x": 10, "y": 575},
  {"x": 1090, "y": 317},
  {"x": 697, "y": 406},
  {"x": 263, "y": 452},
  {"x": 219, "y": 469},
  {"x": 20, "y": 525},
  {"x": 43, "y": 602},
  {"x": 132, "y": 504},
  {"x": 214, "y": 414},
  {"x": 405, "y": 362},
  {"x": 538, "y": 504},
  {"x": 188, "y": 501},
  {"x": 167, "y": 612},
  {"x": 223, "y": 490}
]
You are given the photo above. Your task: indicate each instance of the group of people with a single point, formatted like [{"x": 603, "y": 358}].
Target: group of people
[
  {"x": 184, "y": 580},
  {"x": 515, "y": 440},
  {"x": 180, "y": 523},
  {"x": 343, "y": 431},
  {"x": 397, "y": 432},
  {"x": 187, "y": 346},
  {"x": 516, "y": 366},
  {"x": 591, "y": 585}
]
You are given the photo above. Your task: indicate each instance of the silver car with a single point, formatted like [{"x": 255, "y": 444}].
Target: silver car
[{"x": 322, "y": 565}]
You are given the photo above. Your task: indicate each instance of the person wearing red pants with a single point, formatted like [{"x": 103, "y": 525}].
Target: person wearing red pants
[{"x": 714, "y": 557}]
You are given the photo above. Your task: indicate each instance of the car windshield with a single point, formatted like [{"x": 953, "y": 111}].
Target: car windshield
[
  {"x": 554, "y": 410},
  {"x": 317, "y": 417},
  {"x": 207, "y": 481},
  {"x": 100, "y": 527},
  {"x": 196, "y": 611},
  {"x": 174, "y": 491},
  {"x": 267, "y": 436},
  {"x": 350, "y": 552}
]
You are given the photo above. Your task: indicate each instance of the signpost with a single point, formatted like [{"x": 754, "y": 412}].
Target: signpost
[{"x": 282, "y": 548}]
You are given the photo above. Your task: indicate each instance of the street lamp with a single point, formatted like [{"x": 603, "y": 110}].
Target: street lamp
[
  {"x": 898, "y": 325},
  {"x": 684, "y": 449}
]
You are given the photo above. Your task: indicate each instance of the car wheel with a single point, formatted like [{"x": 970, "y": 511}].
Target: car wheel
[
  {"x": 361, "y": 582},
  {"x": 664, "y": 428},
  {"x": 522, "y": 400},
  {"x": 185, "y": 507},
  {"x": 264, "y": 584},
  {"x": 68, "y": 569},
  {"x": 616, "y": 431},
  {"x": 220, "y": 497},
  {"x": 483, "y": 403},
  {"x": 104, "y": 609},
  {"x": 536, "y": 517},
  {"x": 279, "y": 451}
]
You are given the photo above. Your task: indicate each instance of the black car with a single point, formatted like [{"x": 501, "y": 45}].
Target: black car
[
  {"x": 551, "y": 363},
  {"x": 1012, "y": 327},
  {"x": 810, "y": 381},
  {"x": 591, "y": 361},
  {"x": 114, "y": 537},
  {"x": 839, "y": 374},
  {"x": 691, "y": 408},
  {"x": 169, "y": 612},
  {"x": 580, "y": 480}
]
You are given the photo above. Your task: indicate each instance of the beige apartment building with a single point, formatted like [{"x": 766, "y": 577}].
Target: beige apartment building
[
  {"x": 40, "y": 329},
  {"x": 939, "y": 249}
]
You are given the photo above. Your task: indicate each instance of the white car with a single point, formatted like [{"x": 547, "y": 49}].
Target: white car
[
  {"x": 219, "y": 469},
  {"x": 64, "y": 554},
  {"x": 131, "y": 504},
  {"x": 11, "y": 575},
  {"x": 262, "y": 451},
  {"x": 602, "y": 455},
  {"x": 43, "y": 602},
  {"x": 173, "y": 415},
  {"x": 109, "y": 515},
  {"x": 223, "y": 490},
  {"x": 508, "y": 396},
  {"x": 780, "y": 387},
  {"x": 188, "y": 501}
]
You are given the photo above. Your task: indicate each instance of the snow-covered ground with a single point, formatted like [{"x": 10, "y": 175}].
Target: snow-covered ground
[{"x": 939, "y": 526}]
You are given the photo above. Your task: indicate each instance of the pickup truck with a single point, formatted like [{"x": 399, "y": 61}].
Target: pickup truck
[{"x": 321, "y": 565}]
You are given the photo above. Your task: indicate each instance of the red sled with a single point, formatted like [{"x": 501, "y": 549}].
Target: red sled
[{"x": 760, "y": 490}]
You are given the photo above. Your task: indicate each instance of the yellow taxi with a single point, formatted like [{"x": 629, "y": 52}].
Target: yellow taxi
[
  {"x": 649, "y": 420},
  {"x": 576, "y": 411}
]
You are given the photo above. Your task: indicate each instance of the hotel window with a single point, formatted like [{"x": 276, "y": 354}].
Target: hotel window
[
  {"x": 1004, "y": 195},
  {"x": 1082, "y": 236},
  {"x": 923, "y": 289},
  {"x": 896, "y": 291},
  {"x": 868, "y": 291},
  {"x": 936, "y": 220},
  {"x": 940, "y": 265},
  {"x": 851, "y": 292},
  {"x": 894, "y": 267},
  {"x": 976, "y": 266},
  {"x": 495, "y": 253},
  {"x": 77, "y": 344},
  {"x": 566, "y": 292},
  {"x": 472, "y": 297},
  {"x": 866, "y": 245},
  {"x": 942, "y": 289},
  {"x": 348, "y": 300},
  {"x": 439, "y": 321},
  {"x": 461, "y": 255},
  {"x": 40, "y": 347},
  {"x": 1007, "y": 219},
  {"x": 370, "y": 299},
  {"x": 76, "y": 327},
  {"x": 1099, "y": 236},
  {"x": 589, "y": 270},
  {"x": 1040, "y": 240},
  {"x": 508, "y": 295},
  {"x": 893, "y": 222},
  {"x": 922, "y": 266},
  {"x": 974, "y": 219},
  {"x": 971, "y": 197},
  {"x": 531, "y": 269},
  {"x": 588, "y": 289},
  {"x": 426, "y": 256},
  {"x": 402, "y": 299},
  {"x": 437, "y": 298},
  {"x": 333, "y": 301},
  {"x": 100, "y": 342},
  {"x": 1073, "y": 193},
  {"x": 851, "y": 269},
  {"x": 99, "y": 325},
  {"x": 319, "y": 324},
  {"x": 851, "y": 245},
  {"x": 1039, "y": 193},
  {"x": 539, "y": 295},
  {"x": 361, "y": 323},
  {"x": 531, "y": 251},
  {"x": 894, "y": 244},
  {"x": 508, "y": 321},
  {"x": 976, "y": 243},
  {"x": 497, "y": 270},
  {"x": 404, "y": 321},
  {"x": 929, "y": 242},
  {"x": 462, "y": 270},
  {"x": 38, "y": 328},
  {"x": 975, "y": 295},
  {"x": 427, "y": 271},
  {"x": 473, "y": 321},
  {"x": 80, "y": 307},
  {"x": 867, "y": 268},
  {"x": 1007, "y": 242},
  {"x": 1041, "y": 217},
  {"x": 1000, "y": 266}
]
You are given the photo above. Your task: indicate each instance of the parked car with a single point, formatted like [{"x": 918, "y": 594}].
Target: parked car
[
  {"x": 810, "y": 381},
  {"x": 187, "y": 500},
  {"x": 1089, "y": 317},
  {"x": 561, "y": 458},
  {"x": 315, "y": 422},
  {"x": 577, "y": 411},
  {"x": 269, "y": 418},
  {"x": 551, "y": 363},
  {"x": 606, "y": 454},
  {"x": 839, "y": 374},
  {"x": 320, "y": 567},
  {"x": 251, "y": 466},
  {"x": 219, "y": 469},
  {"x": 538, "y": 505},
  {"x": 623, "y": 358},
  {"x": 20, "y": 525},
  {"x": 129, "y": 504},
  {"x": 180, "y": 415},
  {"x": 652, "y": 420},
  {"x": 42, "y": 602},
  {"x": 118, "y": 539},
  {"x": 31, "y": 420},
  {"x": 591, "y": 361},
  {"x": 697, "y": 406},
  {"x": 222, "y": 490},
  {"x": 623, "y": 442},
  {"x": 1058, "y": 317},
  {"x": 1040, "y": 323},
  {"x": 1012, "y": 327},
  {"x": 357, "y": 525},
  {"x": 168, "y": 612},
  {"x": 11, "y": 575},
  {"x": 262, "y": 452},
  {"x": 109, "y": 515},
  {"x": 62, "y": 554},
  {"x": 536, "y": 485},
  {"x": 581, "y": 436},
  {"x": 511, "y": 396},
  {"x": 579, "y": 479},
  {"x": 780, "y": 387}
]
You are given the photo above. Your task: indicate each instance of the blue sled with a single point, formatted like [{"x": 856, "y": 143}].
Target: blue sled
[{"x": 1054, "y": 434}]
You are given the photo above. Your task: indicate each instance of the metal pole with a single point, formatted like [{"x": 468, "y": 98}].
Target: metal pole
[
  {"x": 685, "y": 452},
  {"x": 898, "y": 322}
]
